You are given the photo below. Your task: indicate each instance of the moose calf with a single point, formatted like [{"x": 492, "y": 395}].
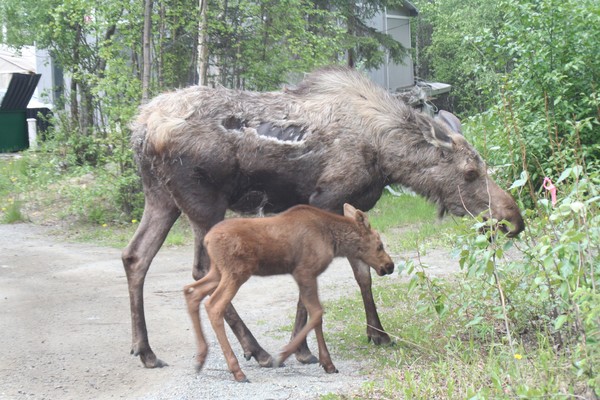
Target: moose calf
[{"x": 301, "y": 241}]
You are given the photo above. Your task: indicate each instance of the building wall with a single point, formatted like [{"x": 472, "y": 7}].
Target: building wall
[{"x": 391, "y": 75}]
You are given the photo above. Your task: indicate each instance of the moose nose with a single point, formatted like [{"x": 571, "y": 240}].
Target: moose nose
[
  {"x": 386, "y": 269},
  {"x": 518, "y": 225}
]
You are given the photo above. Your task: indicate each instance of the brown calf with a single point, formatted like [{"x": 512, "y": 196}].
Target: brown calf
[{"x": 301, "y": 241}]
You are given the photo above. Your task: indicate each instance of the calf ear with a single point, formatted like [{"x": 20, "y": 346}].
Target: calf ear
[
  {"x": 349, "y": 211},
  {"x": 362, "y": 219}
]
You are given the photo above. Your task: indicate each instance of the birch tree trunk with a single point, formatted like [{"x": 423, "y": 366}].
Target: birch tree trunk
[
  {"x": 146, "y": 50},
  {"x": 203, "y": 43}
]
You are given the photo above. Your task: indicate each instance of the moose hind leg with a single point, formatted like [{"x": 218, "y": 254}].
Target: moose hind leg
[
  {"x": 159, "y": 216},
  {"x": 362, "y": 274}
]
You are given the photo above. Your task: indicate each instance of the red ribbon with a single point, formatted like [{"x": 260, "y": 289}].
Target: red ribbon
[{"x": 549, "y": 186}]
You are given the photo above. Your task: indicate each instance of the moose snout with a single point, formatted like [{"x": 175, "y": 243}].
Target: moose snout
[
  {"x": 512, "y": 225},
  {"x": 518, "y": 225},
  {"x": 385, "y": 269}
]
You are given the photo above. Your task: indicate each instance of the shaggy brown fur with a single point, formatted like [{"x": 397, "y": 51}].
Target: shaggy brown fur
[
  {"x": 301, "y": 241},
  {"x": 335, "y": 138}
]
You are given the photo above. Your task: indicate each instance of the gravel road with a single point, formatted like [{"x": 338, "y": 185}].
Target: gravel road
[{"x": 64, "y": 316}]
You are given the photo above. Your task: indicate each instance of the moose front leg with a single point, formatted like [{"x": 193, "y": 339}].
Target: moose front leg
[
  {"x": 362, "y": 274},
  {"x": 247, "y": 341},
  {"x": 302, "y": 353},
  {"x": 159, "y": 216}
]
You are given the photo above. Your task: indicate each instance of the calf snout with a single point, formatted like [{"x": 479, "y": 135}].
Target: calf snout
[{"x": 385, "y": 269}]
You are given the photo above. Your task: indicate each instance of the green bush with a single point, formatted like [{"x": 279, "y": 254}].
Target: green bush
[{"x": 552, "y": 287}]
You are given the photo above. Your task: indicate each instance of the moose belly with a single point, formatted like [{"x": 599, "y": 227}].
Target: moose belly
[{"x": 269, "y": 193}]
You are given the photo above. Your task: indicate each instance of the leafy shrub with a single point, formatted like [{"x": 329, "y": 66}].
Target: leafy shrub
[{"x": 552, "y": 288}]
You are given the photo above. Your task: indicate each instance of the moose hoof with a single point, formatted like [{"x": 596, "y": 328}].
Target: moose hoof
[
  {"x": 263, "y": 358},
  {"x": 380, "y": 339},
  {"x": 306, "y": 358},
  {"x": 331, "y": 369},
  {"x": 149, "y": 359}
]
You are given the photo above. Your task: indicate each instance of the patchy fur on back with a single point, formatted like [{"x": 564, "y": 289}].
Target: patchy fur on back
[{"x": 328, "y": 102}]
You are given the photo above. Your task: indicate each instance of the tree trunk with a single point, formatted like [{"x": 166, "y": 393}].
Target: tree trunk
[
  {"x": 147, "y": 50},
  {"x": 203, "y": 43},
  {"x": 161, "y": 41},
  {"x": 74, "y": 80}
]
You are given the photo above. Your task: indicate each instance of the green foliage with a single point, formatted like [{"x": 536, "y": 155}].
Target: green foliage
[
  {"x": 523, "y": 320},
  {"x": 546, "y": 118},
  {"x": 294, "y": 36},
  {"x": 446, "y": 33},
  {"x": 551, "y": 288}
]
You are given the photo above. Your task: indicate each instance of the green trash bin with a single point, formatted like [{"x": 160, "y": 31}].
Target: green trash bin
[{"x": 13, "y": 131}]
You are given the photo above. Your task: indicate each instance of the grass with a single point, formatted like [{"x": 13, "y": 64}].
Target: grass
[
  {"x": 443, "y": 358},
  {"x": 410, "y": 222}
]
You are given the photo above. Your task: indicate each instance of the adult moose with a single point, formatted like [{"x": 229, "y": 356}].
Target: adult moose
[
  {"x": 302, "y": 241},
  {"x": 335, "y": 138}
]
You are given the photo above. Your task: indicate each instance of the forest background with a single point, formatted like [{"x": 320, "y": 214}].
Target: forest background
[{"x": 525, "y": 77}]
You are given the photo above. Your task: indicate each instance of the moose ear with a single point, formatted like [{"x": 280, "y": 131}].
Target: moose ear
[{"x": 437, "y": 135}]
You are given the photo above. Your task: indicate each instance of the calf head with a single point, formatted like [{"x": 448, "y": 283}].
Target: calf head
[{"x": 369, "y": 248}]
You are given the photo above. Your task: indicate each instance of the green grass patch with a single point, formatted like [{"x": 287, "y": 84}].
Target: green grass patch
[
  {"x": 443, "y": 357},
  {"x": 11, "y": 212},
  {"x": 410, "y": 222}
]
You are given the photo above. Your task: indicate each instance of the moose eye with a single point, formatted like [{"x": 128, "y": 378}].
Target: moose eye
[
  {"x": 471, "y": 175},
  {"x": 380, "y": 247}
]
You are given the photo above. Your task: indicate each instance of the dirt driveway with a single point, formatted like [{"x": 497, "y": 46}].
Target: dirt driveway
[{"x": 64, "y": 315}]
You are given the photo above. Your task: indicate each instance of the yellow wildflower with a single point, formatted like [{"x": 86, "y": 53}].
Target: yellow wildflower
[{"x": 518, "y": 356}]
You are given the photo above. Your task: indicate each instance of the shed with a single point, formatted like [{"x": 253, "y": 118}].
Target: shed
[
  {"x": 18, "y": 82},
  {"x": 396, "y": 23}
]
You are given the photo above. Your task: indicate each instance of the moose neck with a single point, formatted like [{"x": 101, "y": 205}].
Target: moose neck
[{"x": 411, "y": 165}]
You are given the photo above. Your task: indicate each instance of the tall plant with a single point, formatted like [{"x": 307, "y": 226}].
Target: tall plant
[{"x": 547, "y": 115}]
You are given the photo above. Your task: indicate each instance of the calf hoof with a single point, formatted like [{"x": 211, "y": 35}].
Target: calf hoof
[
  {"x": 199, "y": 365},
  {"x": 278, "y": 363},
  {"x": 240, "y": 377}
]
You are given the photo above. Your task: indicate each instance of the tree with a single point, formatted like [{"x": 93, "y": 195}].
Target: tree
[
  {"x": 203, "y": 42},
  {"x": 147, "y": 50},
  {"x": 448, "y": 32}
]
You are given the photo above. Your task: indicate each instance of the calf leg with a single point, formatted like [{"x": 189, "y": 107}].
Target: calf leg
[
  {"x": 303, "y": 353},
  {"x": 215, "y": 307},
  {"x": 249, "y": 344},
  {"x": 205, "y": 206},
  {"x": 309, "y": 297},
  {"x": 362, "y": 274},
  {"x": 160, "y": 213},
  {"x": 194, "y": 294}
]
